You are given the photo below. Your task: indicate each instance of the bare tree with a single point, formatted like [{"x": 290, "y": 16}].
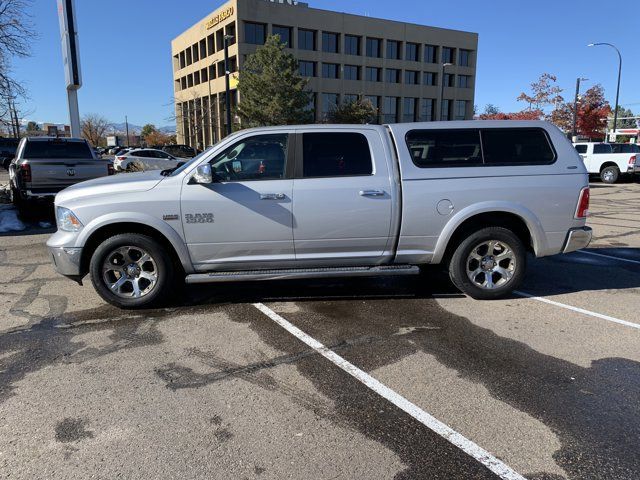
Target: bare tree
[
  {"x": 94, "y": 127},
  {"x": 195, "y": 117}
]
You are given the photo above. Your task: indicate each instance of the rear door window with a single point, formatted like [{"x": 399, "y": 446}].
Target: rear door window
[
  {"x": 335, "y": 154},
  {"x": 581, "y": 148},
  {"x": 57, "y": 150},
  {"x": 521, "y": 146},
  {"x": 445, "y": 148}
]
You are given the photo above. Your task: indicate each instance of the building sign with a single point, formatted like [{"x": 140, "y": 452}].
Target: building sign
[{"x": 216, "y": 19}]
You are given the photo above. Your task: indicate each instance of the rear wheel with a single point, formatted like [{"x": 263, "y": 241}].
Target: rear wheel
[
  {"x": 610, "y": 174},
  {"x": 488, "y": 264},
  {"x": 17, "y": 200},
  {"x": 132, "y": 271}
]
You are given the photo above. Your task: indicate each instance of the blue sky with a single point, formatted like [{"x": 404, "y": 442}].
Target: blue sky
[{"x": 126, "y": 59}]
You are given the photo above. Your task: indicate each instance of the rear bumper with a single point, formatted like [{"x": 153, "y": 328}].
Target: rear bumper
[{"x": 577, "y": 238}]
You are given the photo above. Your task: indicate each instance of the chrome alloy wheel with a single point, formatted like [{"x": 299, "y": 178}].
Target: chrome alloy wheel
[
  {"x": 607, "y": 176},
  {"x": 129, "y": 272},
  {"x": 491, "y": 264}
]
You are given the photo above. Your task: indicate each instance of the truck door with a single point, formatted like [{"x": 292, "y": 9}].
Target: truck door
[
  {"x": 243, "y": 219},
  {"x": 342, "y": 205}
]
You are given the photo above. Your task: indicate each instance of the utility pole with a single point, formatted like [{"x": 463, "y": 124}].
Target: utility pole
[
  {"x": 615, "y": 112},
  {"x": 574, "y": 131},
  {"x": 126, "y": 126},
  {"x": 227, "y": 96},
  {"x": 442, "y": 88}
]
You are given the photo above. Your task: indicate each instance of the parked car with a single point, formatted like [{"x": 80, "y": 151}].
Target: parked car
[
  {"x": 180, "y": 151},
  {"x": 7, "y": 150},
  {"x": 43, "y": 166},
  {"x": 144, "y": 159},
  {"x": 625, "y": 148},
  {"x": 332, "y": 200},
  {"x": 600, "y": 159}
]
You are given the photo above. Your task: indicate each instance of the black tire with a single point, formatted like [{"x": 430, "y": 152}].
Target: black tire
[
  {"x": 461, "y": 261},
  {"x": 610, "y": 174},
  {"x": 17, "y": 200},
  {"x": 163, "y": 268}
]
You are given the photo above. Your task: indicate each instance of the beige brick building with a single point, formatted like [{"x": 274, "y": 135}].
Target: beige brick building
[{"x": 398, "y": 66}]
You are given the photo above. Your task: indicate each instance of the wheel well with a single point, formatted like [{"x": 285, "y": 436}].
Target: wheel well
[
  {"x": 608, "y": 164},
  {"x": 110, "y": 230},
  {"x": 490, "y": 219}
]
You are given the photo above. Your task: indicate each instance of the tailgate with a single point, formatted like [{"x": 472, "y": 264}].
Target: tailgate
[{"x": 51, "y": 176}]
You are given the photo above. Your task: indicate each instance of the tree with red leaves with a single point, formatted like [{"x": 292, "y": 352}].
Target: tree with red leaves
[
  {"x": 523, "y": 115},
  {"x": 593, "y": 110}
]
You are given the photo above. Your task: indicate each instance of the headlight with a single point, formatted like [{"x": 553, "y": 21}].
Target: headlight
[{"x": 67, "y": 221}]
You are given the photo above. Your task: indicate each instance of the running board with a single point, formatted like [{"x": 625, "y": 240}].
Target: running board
[{"x": 295, "y": 273}]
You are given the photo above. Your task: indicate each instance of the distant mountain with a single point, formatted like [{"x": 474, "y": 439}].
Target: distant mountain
[
  {"x": 136, "y": 129},
  {"x": 168, "y": 129}
]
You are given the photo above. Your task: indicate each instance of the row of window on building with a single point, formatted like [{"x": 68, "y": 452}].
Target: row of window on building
[
  {"x": 332, "y": 42},
  {"x": 206, "y": 74},
  {"x": 399, "y": 109},
  {"x": 206, "y": 47},
  {"x": 374, "y": 74}
]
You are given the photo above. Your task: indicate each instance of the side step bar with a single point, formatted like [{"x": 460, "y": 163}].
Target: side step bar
[{"x": 295, "y": 273}]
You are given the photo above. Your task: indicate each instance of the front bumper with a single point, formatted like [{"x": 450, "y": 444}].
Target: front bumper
[
  {"x": 577, "y": 238},
  {"x": 66, "y": 260}
]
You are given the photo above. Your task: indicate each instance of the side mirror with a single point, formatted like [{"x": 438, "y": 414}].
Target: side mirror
[{"x": 203, "y": 175}]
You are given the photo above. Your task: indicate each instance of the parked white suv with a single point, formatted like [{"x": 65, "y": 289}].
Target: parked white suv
[{"x": 600, "y": 159}]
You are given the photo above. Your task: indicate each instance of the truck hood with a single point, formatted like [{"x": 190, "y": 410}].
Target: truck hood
[{"x": 113, "y": 184}]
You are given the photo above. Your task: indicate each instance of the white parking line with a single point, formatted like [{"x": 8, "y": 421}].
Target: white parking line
[
  {"x": 578, "y": 309},
  {"x": 446, "y": 432},
  {"x": 610, "y": 256}
]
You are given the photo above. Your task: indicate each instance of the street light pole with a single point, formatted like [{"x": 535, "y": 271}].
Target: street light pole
[
  {"x": 574, "y": 132},
  {"x": 227, "y": 88},
  {"x": 442, "y": 88},
  {"x": 126, "y": 126},
  {"x": 615, "y": 112}
]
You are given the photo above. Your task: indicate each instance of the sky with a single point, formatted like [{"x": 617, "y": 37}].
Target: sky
[{"x": 125, "y": 50}]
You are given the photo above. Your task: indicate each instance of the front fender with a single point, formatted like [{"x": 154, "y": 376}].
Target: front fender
[
  {"x": 144, "y": 219},
  {"x": 533, "y": 224}
]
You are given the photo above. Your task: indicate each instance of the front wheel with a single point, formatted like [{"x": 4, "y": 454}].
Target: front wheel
[
  {"x": 610, "y": 174},
  {"x": 488, "y": 264},
  {"x": 131, "y": 270}
]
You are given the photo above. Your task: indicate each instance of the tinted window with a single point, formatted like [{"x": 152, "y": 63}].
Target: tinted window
[
  {"x": 373, "y": 47},
  {"x": 444, "y": 148},
  {"x": 602, "y": 148},
  {"x": 284, "y": 33},
  {"x": 307, "y": 69},
  {"x": 351, "y": 45},
  {"x": 430, "y": 54},
  {"x": 329, "y": 42},
  {"x": 581, "y": 148},
  {"x": 330, "y": 70},
  {"x": 262, "y": 157},
  {"x": 522, "y": 146},
  {"x": 335, "y": 155},
  {"x": 57, "y": 149},
  {"x": 625, "y": 148},
  {"x": 254, "y": 33},
  {"x": 306, "y": 39},
  {"x": 351, "y": 72}
]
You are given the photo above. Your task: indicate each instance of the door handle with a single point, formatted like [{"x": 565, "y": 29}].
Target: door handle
[
  {"x": 271, "y": 196},
  {"x": 371, "y": 193}
]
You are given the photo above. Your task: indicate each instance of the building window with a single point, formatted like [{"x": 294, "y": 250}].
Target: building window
[
  {"x": 329, "y": 102},
  {"x": 307, "y": 69},
  {"x": 211, "y": 48},
  {"x": 465, "y": 58},
  {"x": 349, "y": 98},
  {"x": 430, "y": 78},
  {"x": 330, "y": 70},
  {"x": 449, "y": 79},
  {"x": 254, "y": 33},
  {"x": 196, "y": 78},
  {"x": 430, "y": 54},
  {"x": 375, "y": 101},
  {"x": 212, "y": 72},
  {"x": 183, "y": 61},
  {"x": 390, "y": 109},
  {"x": 330, "y": 42},
  {"x": 461, "y": 110},
  {"x": 230, "y": 30},
  {"x": 373, "y": 74},
  {"x": 373, "y": 47},
  {"x": 204, "y": 76},
  {"x": 351, "y": 45},
  {"x": 306, "y": 39},
  {"x": 464, "y": 81},
  {"x": 220, "y": 40},
  {"x": 284, "y": 33},
  {"x": 183, "y": 83},
  {"x": 189, "y": 58},
  {"x": 411, "y": 52},
  {"x": 190, "y": 80},
  {"x": 448, "y": 55},
  {"x": 445, "y": 110},
  {"x": 428, "y": 111},
  {"x": 409, "y": 109},
  {"x": 196, "y": 55},
  {"x": 203, "y": 48},
  {"x": 392, "y": 75},
  {"x": 351, "y": 72},
  {"x": 393, "y": 49},
  {"x": 411, "y": 77}
]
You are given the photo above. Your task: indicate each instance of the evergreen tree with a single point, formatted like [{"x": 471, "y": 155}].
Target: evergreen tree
[{"x": 360, "y": 110}]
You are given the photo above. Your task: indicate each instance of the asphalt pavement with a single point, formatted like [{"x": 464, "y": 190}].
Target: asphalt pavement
[{"x": 344, "y": 378}]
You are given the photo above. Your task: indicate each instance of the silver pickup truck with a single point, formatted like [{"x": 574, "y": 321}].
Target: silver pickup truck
[
  {"x": 43, "y": 166},
  {"x": 332, "y": 200}
]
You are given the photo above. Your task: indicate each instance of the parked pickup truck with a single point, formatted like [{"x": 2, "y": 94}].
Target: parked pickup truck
[
  {"x": 332, "y": 200},
  {"x": 43, "y": 166},
  {"x": 600, "y": 159}
]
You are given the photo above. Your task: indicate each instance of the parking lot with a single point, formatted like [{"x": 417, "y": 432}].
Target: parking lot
[{"x": 356, "y": 378}]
